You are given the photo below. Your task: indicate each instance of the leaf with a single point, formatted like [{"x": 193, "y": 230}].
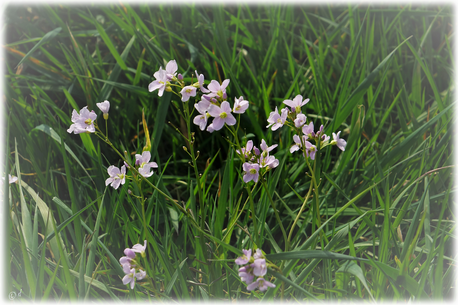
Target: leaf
[
  {"x": 48, "y": 36},
  {"x": 49, "y": 131},
  {"x": 308, "y": 254},
  {"x": 353, "y": 268}
]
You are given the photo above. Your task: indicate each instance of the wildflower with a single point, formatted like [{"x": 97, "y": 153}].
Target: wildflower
[
  {"x": 202, "y": 107},
  {"x": 171, "y": 69},
  {"x": 276, "y": 120},
  {"x": 131, "y": 276},
  {"x": 259, "y": 267},
  {"x": 300, "y": 120},
  {"x": 298, "y": 143},
  {"x": 140, "y": 249},
  {"x": 217, "y": 90},
  {"x": 251, "y": 172},
  {"x": 266, "y": 149},
  {"x": 141, "y": 274},
  {"x": 130, "y": 255},
  {"x": 180, "y": 76},
  {"x": 210, "y": 128},
  {"x": 258, "y": 254},
  {"x": 341, "y": 143},
  {"x": 247, "y": 149},
  {"x": 245, "y": 258},
  {"x": 104, "y": 107},
  {"x": 246, "y": 274},
  {"x": 11, "y": 179},
  {"x": 260, "y": 283},
  {"x": 240, "y": 105},
  {"x": 200, "y": 80},
  {"x": 269, "y": 161},
  {"x": 117, "y": 176},
  {"x": 160, "y": 82},
  {"x": 310, "y": 150},
  {"x": 296, "y": 103},
  {"x": 308, "y": 130},
  {"x": 83, "y": 122},
  {"x": 222, "y": 115},
  {"x": 144, "y": 164},
  {"x": 187, "y": 92}
]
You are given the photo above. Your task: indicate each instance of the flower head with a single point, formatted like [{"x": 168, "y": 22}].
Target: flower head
[
  {"x": 117, "y": 177},
  {"x": 131, "y": 276},
  {"x": 171, "y": 69},
  {"x": 251, "y": 172},
  {"x": 160, "y": 82},
  {"x": 246, "y": 274},
  {"x": 266, "y": 149},
  {"x": 246, "y": 151},
  {"x": 308, "y": 130},
  {"x": 276, "y": 120},
  {"x": 310, "y": 150},
  {"x": 200, "y": 79},
  {"x": 259, "y": 267},
  {"x": 139, "y": 249},
  {"x": 245, "y": 258},
  {"x": 217, "y": 90},
  {"x": 240, "y": 105},
  {"x": 82, "y": 122},
  {"x": 202, "y": 107},
  {"x": 300, "y": 120},
  {"x": 296, "y": 103},
  {"x": 341, "y": 143},
  {"x": 260, "y": 283},
  {"x": 258, "y": 254},
  {"x": 222, "y": 115},
  {"x": 11, "y": 179},
  {"x": 144, "y": 165},
  {"x": 104, "y": 107},
  {"x": 187, "y": 92},
  {"x": 130, "y": 255}
]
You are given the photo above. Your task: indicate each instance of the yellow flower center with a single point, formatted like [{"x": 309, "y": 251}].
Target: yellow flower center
[
  {"x": 223, "y": 115},
  {"x": 279, "y": 120},
  {"x": 252, "y": 171},
  {"x": 88, "y": 121},
  {"x": 298, "y": 109},
  {"x": 220, "y": 93},
  {"x": 121, "y": 176},
  {"x": 188, "y": 90}
]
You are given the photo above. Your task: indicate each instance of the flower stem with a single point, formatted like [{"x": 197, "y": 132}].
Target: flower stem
[
  {"x": 253, "y": 215},
  {"x": 275, "y": 210},
  {"x": 298, "y": 215}
]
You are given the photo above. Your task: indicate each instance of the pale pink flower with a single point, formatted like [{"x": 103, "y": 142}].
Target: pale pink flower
[
  {"x": 276, "y": 120},
  {"x": 260, "y": 283},
  {"x": 259, "y": 267},
  {"x": 145, "y": 167},
  {"x": 171, "y": 69},
  {"x": 160, "y": 82},
  {"x": 131, "y": 276},
  {"x": 221, "y": 115},
  {"x": 341, "y": 143},
  {"x": 217, "y": 90},
  {"x": 266, "y": 149},
  {"x": 82, "y": 122},
  {"x": 245, "y": 258},
  {"x": 296, "y": 103},
  {"x": 310, "y": 150},
  {"x": 202, "y": 107},
  {"x": 139, "y": 249},
  {"x": 300, "y": 120},
  {"x": 117, "y": 177},
  {"x": 246, "y": 274},
  {"x": 187, "y": 92},
  {"x": 200, "y": 79},
  {"x": 258, "y": 254},
  {"x": 240, "y": 105},
  {"x": 251, "y": 172}
]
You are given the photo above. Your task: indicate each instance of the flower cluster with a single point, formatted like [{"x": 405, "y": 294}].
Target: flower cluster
[
  {"x": 84, "y": 121},
  {"x": 299, "y": 120},
  {"x": 256, "y": 160},
  {"x": 142, "y": 164},
  {"x": 213, "y": 102},
  {"x": 131, "y": 266},
  {"x": 254, "y": 266}
]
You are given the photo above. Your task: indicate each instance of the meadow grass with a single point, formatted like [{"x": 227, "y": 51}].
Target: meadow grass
[{"x": 381, "y": 226}]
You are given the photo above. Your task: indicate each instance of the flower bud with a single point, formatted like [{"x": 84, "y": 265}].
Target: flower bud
[
  {"x": 168, "y": 88},
  {"x": 184, "y": 148},
  {"x": 105, "y": 116},
  {"x": 180, "y": 77}
]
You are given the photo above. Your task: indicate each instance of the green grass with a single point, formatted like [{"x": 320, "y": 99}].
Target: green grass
[{"x": 380, "y": 74}]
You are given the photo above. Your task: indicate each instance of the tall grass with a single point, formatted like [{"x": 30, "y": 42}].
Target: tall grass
[{"x": 381, "y": 73}]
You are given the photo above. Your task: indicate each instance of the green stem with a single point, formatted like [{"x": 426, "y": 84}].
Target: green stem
[
  {"x": 253, "y": 215},
  {"x": 298, "y": 215},
  {"x": 275, "y": 210}
]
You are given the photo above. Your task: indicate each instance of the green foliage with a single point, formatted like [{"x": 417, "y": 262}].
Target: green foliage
[{"x": 381, "y": 75}]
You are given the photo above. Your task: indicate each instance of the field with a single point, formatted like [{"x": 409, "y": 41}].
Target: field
[{"x": 368, "y": 220}]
